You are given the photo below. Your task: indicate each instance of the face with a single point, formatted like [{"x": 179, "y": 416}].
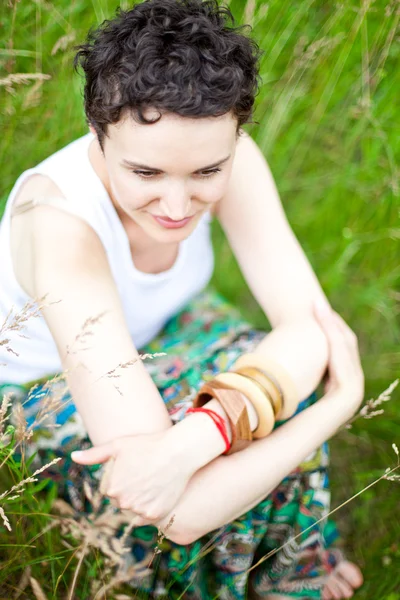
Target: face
[{"x": 176, "y": 168}]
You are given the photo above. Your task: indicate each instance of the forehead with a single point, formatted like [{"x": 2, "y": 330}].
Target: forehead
[{"x": 173, "y": 136}]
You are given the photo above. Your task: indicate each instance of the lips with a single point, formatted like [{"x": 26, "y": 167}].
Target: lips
[
  {"x": 170, "y": 224},
  {"x": 171, "y": 220}
]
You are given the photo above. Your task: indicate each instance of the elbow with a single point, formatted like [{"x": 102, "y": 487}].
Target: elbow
[
  {"x": 182, "y": 538},
  {"x": 176, "y": 532},
  {"x": 306, "y": 352}
]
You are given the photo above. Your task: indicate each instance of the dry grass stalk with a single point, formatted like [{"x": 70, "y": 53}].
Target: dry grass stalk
[
  {"x": 94, "y": 532},
  {"x": 99, "y": 530},
  {"x": 129, "y": 363},
  {"x": 51, "y": 403},
  {"x": 3, "y": 412},
  {"x": 75, "y": 579},
  {"x": 21, "y": 432},
  {"x": 115, "y": 373},
  {"x": 17, "y": 322},
  {"x": 387, "y": 475},
  {"x": 21, "y": 78},
  {"x": 31, "y": 479},
  {"x": 23, "y": 582},
  {"x": 53, "y": 399},
  {"x": 161, "y": 535},
  {"x": 5, "y": 519},
  {"x": 34, "y": 95},
  {"x": 37, "y": 590},
  {"x": 368, "y": 411},
  {"x": 85, "y": 333},
  {"x": 63, "y": 42},
  {"x": 249, "y": 12}
]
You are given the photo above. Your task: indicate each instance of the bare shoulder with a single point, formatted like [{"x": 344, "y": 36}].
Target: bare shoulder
[
  {"x": 245, "y": 149},
  {"x": 246, "y": 153},
  {"x": 43, "y": 234},
  {"x": 36, "y": 185}
]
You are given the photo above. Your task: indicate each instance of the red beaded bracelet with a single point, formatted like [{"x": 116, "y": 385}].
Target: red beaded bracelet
[{"x": 218, "y": 420}]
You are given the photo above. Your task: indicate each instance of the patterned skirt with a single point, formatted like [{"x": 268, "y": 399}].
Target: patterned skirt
[{"x": 203, "y": 339}]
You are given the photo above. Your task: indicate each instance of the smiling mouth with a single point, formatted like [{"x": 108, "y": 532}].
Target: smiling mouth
[
  {"x": 172, "y": 220},
  {"x": 170, "y": 224}
]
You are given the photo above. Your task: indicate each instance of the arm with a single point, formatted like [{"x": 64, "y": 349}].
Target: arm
[
  {"x": 203, "y": 507},
  {"x": 70, "y": 265},
  {"x": 154, "y": 489},
  {"x": 274, "y": 265},
  {"x": 301, "y": 348}
]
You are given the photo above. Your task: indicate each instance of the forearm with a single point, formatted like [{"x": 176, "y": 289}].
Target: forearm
[
  {"x": 127, "y": 403},
  {"x": 300, "y": 348},
  {"x": 214, "y": 497}
]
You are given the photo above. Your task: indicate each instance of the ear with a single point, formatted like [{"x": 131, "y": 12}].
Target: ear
[{"x": 92, "y": 129}]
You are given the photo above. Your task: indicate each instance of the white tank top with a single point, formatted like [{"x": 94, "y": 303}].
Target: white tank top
[{"x": 148, "y": 299}]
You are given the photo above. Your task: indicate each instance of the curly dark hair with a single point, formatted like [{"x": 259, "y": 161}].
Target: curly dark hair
[{"x": 177, "y": 56}]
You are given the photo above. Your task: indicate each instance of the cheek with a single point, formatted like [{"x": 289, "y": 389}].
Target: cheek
[
  {"x": 213, "y": 190},
  {"x": 129, "y": 191}
]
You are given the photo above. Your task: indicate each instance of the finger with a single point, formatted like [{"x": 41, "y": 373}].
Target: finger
[
  {"x": 135, "y": 519},
  {"x": 93, "y": 456},
  {"x": 351, "y": 341},
  {"x": 341, "y": 339},
  {"x": 106, "y": 478},
  {"x": 346, "y": 330},
  {"x": 141, "y": 521},
  {"x": 114, "y": 503},
  {"x": 326, "y": 319}
]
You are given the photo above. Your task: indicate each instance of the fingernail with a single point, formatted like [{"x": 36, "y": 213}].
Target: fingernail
[{"x": 76, "y": 454}]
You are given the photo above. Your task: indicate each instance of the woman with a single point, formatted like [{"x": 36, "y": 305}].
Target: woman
[{"x": 111, "y": 236}]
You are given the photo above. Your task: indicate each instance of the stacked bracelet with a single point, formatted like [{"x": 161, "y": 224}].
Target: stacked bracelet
[
  {"x": 235, "y": 408},
  {"x": 257, "y": 396},
  {"x": 274, "y": 396},
  {"x": 272, "y": 392},
  {"x": 278, "y": 377}
]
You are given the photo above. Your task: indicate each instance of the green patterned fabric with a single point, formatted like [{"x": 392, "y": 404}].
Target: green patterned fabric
[{"x": 203, "y": 339}]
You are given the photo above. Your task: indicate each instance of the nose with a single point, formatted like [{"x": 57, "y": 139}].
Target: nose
[{"x": 175, "y": 203}]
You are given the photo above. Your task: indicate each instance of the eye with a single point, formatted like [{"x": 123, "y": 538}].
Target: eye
[
  {"x": 145, "y": 174},
  {"x": 209, "y": 173},
  {"x": 150, "y": 174}
]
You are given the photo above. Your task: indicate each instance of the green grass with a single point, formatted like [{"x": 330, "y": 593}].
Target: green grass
[{"x": 328, "y": 126}]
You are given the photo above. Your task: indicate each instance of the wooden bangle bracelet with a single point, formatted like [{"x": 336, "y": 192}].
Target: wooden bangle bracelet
[
  {"x": 256, "y": 395},
  {"x": 271, "y": 390},
  {"x": 276, "y": 373},
  {"x": 235, "y": 408}
]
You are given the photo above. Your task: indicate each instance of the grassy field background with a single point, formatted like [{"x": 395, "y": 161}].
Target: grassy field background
[{"x": 328, "y": 125}]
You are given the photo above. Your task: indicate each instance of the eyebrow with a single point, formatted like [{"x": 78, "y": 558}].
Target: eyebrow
[{"x": 134, "y": 165}]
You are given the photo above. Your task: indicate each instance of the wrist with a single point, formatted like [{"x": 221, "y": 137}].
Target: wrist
[
  {"x": 215, "y": 443},
  {"x": 195, "y": 440},
  {"x": 345, "y": 407}
]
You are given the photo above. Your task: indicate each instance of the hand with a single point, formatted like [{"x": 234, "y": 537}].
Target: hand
[
  {"x": 145, "y": 476},
  {"x": 345, "y": 376}
]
